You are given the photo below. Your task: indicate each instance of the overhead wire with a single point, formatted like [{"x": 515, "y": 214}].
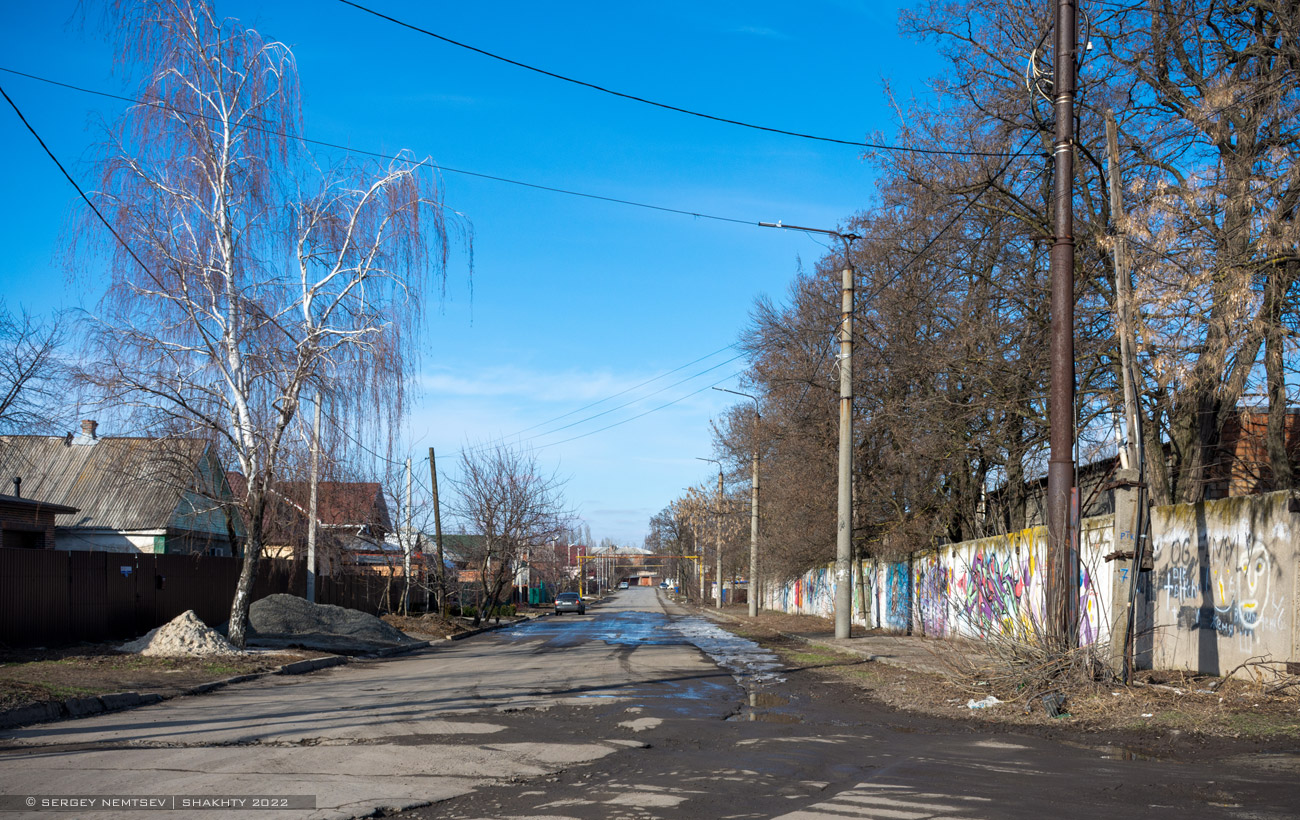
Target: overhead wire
[
  {"x": 73, "y": 182},
  {"x": 642, "y": 415},
  {"x": 399, "y": 157},
  {"x": 665, "y": 106},
  {"x": 622, "y": 392},
  {"x": 639, "y": 399}
]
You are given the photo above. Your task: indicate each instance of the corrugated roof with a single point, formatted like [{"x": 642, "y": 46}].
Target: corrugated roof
[{"x": 118, "y": 483}]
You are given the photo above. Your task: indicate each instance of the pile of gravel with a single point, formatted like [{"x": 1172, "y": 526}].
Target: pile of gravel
[
  {"x": 185, "y": 636},
  {"x": 287, "y": 620}
]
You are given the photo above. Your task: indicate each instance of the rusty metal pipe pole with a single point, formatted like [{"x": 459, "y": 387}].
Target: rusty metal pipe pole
[{"x": 1063, "y": 575}]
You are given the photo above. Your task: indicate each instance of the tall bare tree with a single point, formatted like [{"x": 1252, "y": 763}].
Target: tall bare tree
[
  {"x": 32, "y": 375},
  {"x": 248, "y": 272},
  {"x": 504, "y": 495}
]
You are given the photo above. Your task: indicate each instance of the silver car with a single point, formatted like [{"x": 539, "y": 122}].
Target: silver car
[{"x": 569, "y": 602}]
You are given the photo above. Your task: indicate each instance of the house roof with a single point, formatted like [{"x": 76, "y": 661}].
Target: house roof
[
  {"x": 345, "y": 505},
  {"x": 38, "y": 506},
  {"x": 115, "y": 483},
  {"x": 458, "y": 547}
]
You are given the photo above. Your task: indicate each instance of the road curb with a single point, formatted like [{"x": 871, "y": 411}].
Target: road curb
[{"x": 72, "y": 708}]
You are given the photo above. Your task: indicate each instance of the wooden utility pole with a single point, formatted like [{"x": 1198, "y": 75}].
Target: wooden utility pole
[
  {"x": 406, "y": 545},
  {"x": 1062, "y": 563},
  {"x": 1130, "y": 493},
  {"x": 311, "y": 504},
  {"x": 437, "y": 538}
]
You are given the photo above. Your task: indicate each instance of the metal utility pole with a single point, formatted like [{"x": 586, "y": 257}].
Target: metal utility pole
[
  {"x": 1062, "y": 563},
  {"x": 311, "y": 505},
  {"x": 844, "y": 515},
  {"x": 753, "y": 509},
  {"x": 437, "y": 538}
]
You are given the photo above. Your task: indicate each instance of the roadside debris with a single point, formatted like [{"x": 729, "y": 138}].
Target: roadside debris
[
  {"x": 184, "y": 636},
  {"x": 983, "y": 703},
  {"x": 1054, "y": 704}
]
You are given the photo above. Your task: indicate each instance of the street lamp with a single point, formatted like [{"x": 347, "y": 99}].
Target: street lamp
[
  {"x": 844, "y": 518},
  {"x": 753, "y": 510},
  {"x": 718, "y": 518}
]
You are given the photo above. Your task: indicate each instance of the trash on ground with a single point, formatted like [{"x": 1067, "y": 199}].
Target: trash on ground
[
  {"x": 1054, "y": 704},
  {"x": 982, "y": 704}
]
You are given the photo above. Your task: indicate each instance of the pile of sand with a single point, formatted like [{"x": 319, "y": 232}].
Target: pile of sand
[
  {"x": 184, "y": 636},
  {"x": 287, "y": 620}
]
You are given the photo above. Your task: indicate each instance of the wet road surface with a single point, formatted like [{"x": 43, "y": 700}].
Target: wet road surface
[
  {"x": 635, "y": 710},
  {"x": 788, "y": 745}
]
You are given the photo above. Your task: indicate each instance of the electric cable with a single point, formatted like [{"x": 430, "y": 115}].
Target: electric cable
[
  {"x": 74, "y": 184},
  {"x": 622, "y": 392},
  {"x": 665, "y": 106},
  {"x": 405, "y": 158},
  {"x": 646, "y": 413}
]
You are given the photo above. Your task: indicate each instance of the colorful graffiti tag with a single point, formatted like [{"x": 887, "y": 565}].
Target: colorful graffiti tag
[{"x": 931, "y": 587}]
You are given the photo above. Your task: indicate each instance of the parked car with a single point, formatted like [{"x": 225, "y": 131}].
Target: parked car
[
  {"x": 622, "y": 584},
  {"x": 569, "y": 602}
]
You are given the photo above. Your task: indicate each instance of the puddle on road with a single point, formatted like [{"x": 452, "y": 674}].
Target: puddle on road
[
  {"x": 1112, "y": 752},
  {"x": 765, "y": 707},
  {"x": 745, "y": 660}
]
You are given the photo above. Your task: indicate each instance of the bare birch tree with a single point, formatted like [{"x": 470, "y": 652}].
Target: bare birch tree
[{"x": 247, "y": 272}]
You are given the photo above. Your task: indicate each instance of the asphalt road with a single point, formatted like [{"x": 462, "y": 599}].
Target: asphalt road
[{"x": 634, "y": 710}]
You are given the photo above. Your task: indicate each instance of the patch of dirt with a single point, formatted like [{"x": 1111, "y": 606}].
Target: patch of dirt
[
  {"x": 35, "y": 675},
  {"x": 429, "y": 627},
  {"x": 1166, "y": 714}
]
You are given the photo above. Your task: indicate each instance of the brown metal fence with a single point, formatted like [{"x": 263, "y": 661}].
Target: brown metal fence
[{"x": 50, "y": 597}]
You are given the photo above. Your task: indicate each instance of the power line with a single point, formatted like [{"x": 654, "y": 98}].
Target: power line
[
  {"x": 381, "y": 155},
  {"x": 639, "y": 399},
  {"x": 69, "y": 178},
  {"x": 646, "y": 413},
  {"x": 665, "y": 106},
  {"x": 622, "y": 392}
]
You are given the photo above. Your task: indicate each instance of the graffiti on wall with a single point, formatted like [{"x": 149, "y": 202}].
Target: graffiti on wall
[
  {"x": 1222, "y": 583},
  {"x": 897, "y": 597},
  {"x": 931, "y": 586}
]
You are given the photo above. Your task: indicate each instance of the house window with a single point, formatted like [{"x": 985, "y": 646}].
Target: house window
[{"x": 24, "y": 539}]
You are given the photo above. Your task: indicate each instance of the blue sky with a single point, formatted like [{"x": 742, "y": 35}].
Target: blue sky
[{"x": 572, "y": 300}]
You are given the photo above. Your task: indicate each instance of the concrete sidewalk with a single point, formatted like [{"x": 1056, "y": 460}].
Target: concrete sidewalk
[{"x": 907, "y": 651}]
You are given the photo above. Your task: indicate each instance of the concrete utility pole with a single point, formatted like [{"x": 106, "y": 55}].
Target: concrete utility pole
[
  {"x": 311, "y": 504},
  {"x": 718, "y": 520},
  {"x": 1062, "y": 563},
  {"x": 753, "y": 509},
  {"x": 844, "y": 514}
]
